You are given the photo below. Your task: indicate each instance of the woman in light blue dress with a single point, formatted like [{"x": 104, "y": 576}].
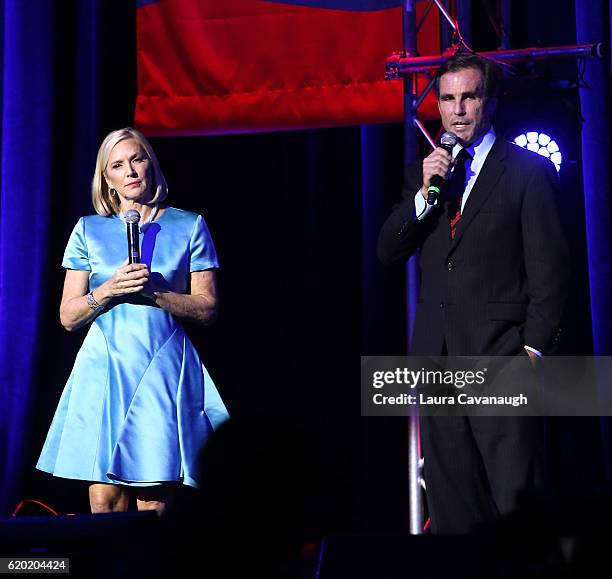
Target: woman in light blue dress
[{"x": 139, "y": 404}]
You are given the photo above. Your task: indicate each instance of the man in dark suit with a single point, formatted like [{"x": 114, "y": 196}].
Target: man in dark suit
[{"x": 494, "y": 267}]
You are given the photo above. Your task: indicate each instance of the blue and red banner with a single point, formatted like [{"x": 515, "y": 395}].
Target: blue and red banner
[{"x": 212, "y": 66}]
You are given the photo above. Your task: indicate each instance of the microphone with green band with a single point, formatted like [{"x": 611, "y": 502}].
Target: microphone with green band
[{"x": 447, "y": 142}]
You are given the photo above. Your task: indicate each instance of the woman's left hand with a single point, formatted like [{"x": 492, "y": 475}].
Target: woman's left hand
[
  {"x": 149, "y": 290},
  {"x": 155, "y": 285},
  {"x": 199, "y": 305}
]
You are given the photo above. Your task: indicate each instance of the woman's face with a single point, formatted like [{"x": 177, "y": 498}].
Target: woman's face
[{"x": 129, "y": 172}]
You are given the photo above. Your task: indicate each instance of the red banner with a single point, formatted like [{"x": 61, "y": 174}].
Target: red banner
[{"x": 229, "y": 66}]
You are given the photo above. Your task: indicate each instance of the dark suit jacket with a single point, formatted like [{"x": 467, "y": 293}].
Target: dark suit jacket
[{"x": 501, "y": 283}]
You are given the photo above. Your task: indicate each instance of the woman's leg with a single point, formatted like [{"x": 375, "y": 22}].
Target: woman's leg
[
  {"x": 154, "y": 498},
  {"x": 107, "y": 498}
]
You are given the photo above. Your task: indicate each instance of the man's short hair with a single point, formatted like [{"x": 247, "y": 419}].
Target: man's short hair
[{"x": 489, "y": 70}]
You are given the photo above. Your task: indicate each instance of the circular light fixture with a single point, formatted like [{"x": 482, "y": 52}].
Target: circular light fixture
[{"x": 542, "y": 144}]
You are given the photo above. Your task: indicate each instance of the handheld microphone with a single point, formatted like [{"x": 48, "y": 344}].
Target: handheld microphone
[
  {"x": 447, "y": 142},
  {"x": 132, "y": 217}
]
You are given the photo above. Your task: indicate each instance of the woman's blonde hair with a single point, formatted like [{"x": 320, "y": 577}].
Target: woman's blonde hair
[{"x": 106, "y": 204}]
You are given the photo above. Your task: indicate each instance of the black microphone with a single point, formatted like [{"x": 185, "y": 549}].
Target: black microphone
[
  {"x": 132, "y": 217},
  {"x": 447, "y": 142}
]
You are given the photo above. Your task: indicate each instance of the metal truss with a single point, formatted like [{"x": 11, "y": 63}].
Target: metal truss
[{"x": 401, "y": 65}]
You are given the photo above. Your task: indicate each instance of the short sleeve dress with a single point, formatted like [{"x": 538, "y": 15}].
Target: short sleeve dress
[{"x": 139, "y": 404}]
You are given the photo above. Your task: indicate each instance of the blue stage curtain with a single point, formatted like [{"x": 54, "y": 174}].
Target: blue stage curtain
[
  {"x": 592, "y": 25},
  {"x": 49, "y": 55},
  {"x": 27, "y": 105}
]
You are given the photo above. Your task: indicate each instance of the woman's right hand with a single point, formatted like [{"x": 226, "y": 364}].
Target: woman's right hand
[
  {"x": 130, "y": 278},
  {"x": 75, "y": 310}
]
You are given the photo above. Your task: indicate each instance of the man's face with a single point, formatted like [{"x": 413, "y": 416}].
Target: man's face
[{"x": 464, "y": 108}]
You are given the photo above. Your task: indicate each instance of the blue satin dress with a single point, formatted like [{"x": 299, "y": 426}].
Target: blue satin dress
[{"x": 139, "y": 404}]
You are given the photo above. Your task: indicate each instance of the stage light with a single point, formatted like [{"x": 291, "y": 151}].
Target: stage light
[{"x": 542, "y": 144}]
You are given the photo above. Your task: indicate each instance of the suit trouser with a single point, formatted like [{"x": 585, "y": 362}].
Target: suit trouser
[{"x": 475, "y": 467}]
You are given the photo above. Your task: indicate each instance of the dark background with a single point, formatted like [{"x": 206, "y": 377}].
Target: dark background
[{"x": 302, "y": 296}]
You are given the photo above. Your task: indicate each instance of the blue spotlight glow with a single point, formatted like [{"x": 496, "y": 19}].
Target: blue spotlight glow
[{"x": 542, "y": 144}]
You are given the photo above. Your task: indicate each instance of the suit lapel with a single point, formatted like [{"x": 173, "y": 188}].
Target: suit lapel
[{"x": 488, "y": 177}]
